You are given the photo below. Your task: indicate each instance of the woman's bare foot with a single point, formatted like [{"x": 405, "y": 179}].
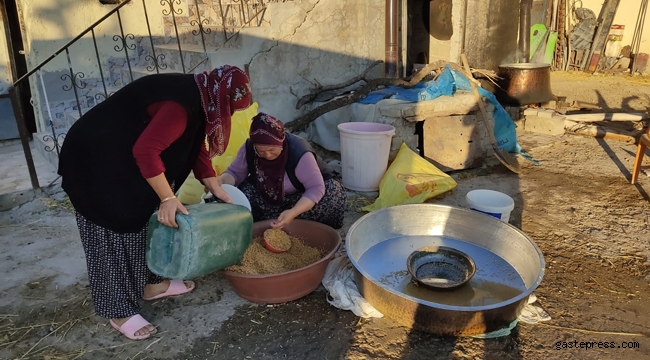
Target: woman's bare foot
[
  {"x": 152, "y": 290},
  {"x": 147, "y": 329}
]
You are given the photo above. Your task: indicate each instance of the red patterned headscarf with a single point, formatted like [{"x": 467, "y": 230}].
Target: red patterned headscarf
[
  {"x": 224, "y": 90},
  {"x": 269, "y": 174}
]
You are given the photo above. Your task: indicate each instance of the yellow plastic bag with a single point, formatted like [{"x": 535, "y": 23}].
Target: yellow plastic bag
[
  {"x": 239, "y": 129},
  {"x": 410, "y": 179},
  {"x": 192, "y": 189}
]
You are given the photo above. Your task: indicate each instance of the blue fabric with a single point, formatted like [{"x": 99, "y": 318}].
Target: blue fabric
[
  {"x": 447, "y": 84},
  {"x": 381, "y": 94},
  {"x": 504, "y": 127},
  {"x": 441, "y": 86}
]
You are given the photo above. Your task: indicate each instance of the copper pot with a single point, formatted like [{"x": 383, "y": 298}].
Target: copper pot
[{"x": 523, "y": 84}]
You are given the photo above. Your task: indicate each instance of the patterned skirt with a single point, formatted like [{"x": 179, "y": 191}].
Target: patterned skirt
[
  {"x": 329, "y": 210},
  {"x": 117, "y": 268}
]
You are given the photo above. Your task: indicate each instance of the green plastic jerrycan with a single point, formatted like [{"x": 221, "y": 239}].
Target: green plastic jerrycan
[{"x": 211, "y": 237}]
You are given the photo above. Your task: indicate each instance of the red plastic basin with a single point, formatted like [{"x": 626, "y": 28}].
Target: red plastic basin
[{"x": 291, "y": 285}]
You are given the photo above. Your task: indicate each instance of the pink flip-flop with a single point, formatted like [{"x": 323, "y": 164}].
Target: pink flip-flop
[
  {"x": 131, "y": 326},
  {"x": 176, "y": 287}
]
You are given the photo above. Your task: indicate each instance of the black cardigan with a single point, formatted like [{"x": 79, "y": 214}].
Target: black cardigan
[{"x": 99, "y": 172}]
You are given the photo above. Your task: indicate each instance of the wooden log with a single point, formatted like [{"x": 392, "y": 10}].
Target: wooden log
[
  {"x": 593, "y": 117},
  {"x": 597, "y": 131}
]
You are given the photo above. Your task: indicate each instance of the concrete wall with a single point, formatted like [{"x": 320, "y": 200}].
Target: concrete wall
[
  {"x": 299, "y": 44},
  {"x": 308, "y": 42},
  {"x": 627, "y": 13},
  {"x": 486, "y": 30}
]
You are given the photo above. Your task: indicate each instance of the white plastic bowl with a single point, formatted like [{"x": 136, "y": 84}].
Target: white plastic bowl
[{"x": 236, "y": 195}]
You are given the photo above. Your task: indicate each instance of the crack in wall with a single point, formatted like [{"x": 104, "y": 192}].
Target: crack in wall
[{"x": 277, "y": 42}]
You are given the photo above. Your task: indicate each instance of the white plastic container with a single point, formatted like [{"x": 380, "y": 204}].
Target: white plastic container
[
  {"x": 491, "y": 202},
  {"x": 364, "y": 154}
]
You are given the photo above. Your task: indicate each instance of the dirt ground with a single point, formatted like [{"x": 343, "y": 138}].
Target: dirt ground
[{"x": 577, "y": 205}]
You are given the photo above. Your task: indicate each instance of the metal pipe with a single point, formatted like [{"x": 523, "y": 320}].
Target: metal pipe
[
  {"x": 73, "y": 80},
  {"x": 404, "y": 37},
  {"x": 524, "y": 30},
  {"x": 24, "y": 133},
  {"x": 173, "y": 12},
  {"x": 125, "y": 46},
  {"x": 636, "y": 43},
  {"x": 99, "y": 66},
  {"x": 152, "y": 57},
  {"x": 392, "y": 45},
  {"x": 200, "y": 24}
]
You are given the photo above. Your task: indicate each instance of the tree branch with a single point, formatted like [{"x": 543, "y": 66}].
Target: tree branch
[
  {"x": 320, "y": 89},
  {"x": 304, "y": 120},
  {"x": 374, "y": 84}
]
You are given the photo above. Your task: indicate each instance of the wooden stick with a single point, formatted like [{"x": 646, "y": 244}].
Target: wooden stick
[
  {"x": 597, "y": 131},
  {"x": 505, "y": 158},
  {"x": 607, "y": 117}
]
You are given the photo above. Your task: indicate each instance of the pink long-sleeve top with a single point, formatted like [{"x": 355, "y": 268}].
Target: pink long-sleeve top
[
  {"x": 167, "y": 124},
  {"x": 307, "y": 172}
]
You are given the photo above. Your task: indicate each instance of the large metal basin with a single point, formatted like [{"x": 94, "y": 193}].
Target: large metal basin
[{"x": 477, "y": 233}]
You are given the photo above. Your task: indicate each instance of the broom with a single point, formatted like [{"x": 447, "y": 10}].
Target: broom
[{"x": 504, "y": 157}]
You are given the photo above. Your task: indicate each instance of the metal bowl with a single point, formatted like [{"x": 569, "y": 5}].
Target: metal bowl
[
  {"x": 440, "y": 267},
  {"x": 498, "y": 249},
  {"x": 290, "y": 285}
]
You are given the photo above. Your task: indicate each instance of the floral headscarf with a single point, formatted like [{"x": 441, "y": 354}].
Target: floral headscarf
[
  {"x": 269, "y": 174},
  {"x": 224, "y": 90}
]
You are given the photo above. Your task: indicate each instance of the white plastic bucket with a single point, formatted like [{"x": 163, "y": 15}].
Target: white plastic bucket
[
  {"x": 364, "y": 154},
  {"x": 491, "y": 202}
]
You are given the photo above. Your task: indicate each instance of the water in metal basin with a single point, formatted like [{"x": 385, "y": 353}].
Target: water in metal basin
[{"x": 495, "y": 279}]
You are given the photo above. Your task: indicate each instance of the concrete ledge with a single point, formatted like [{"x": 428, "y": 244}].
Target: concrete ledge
[
  {"x": 545, "y": 125},
  {"x": 17, "y": 198},
  {"x": 459, "y": 104}
]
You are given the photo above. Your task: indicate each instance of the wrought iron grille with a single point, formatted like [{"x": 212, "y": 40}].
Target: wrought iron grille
[{"x": 214, "y": 24}]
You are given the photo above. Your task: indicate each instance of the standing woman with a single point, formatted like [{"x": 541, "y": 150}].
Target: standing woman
[
  {"x": 283, "y": 178},
  {"x": 124, "y": 159}
]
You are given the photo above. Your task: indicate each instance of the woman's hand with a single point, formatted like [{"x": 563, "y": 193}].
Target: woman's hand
[
  {"x": 167, "y": 212},
  {"x": 303, "y": 205},
  {"x": 167, "y": 209},
  {"x": 214, "y": 185},
  {"x": 284, "y": 219}
]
